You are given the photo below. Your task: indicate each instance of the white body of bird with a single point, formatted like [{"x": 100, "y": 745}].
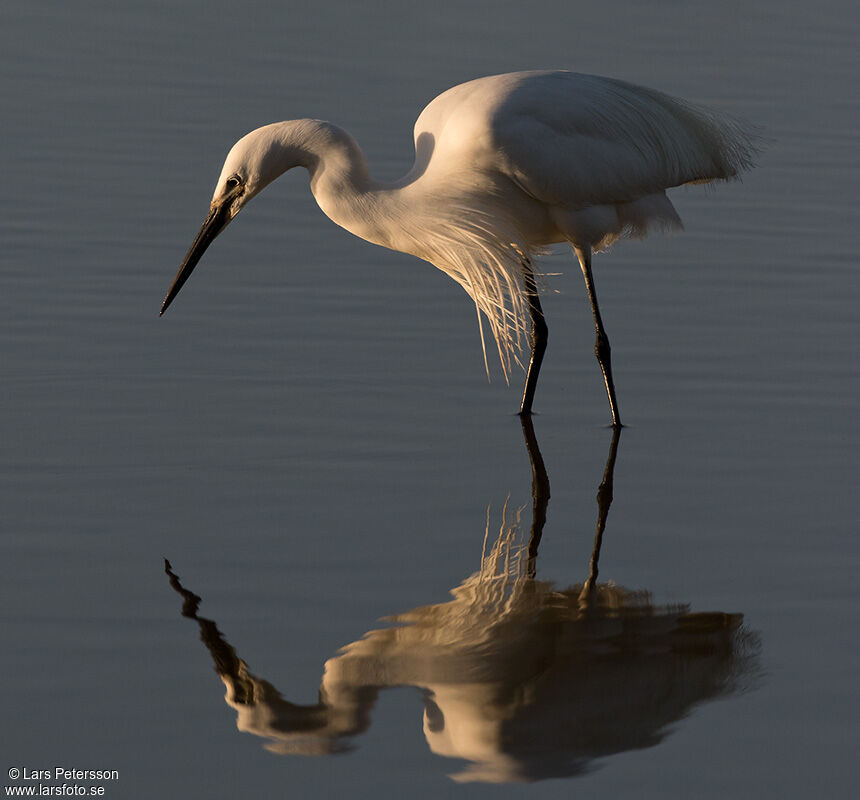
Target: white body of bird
[{"x": 504, "y": 166}]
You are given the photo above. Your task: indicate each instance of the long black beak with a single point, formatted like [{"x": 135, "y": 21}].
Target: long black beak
[{"x": 217, "y": 220}]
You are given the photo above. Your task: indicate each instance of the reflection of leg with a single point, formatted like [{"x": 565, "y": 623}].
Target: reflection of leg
[
  {"x": 604, "y": 500},
  {"x": 540, "y": 493},
  {"x": 601, "y": 344},
  {"x": 539, "y": 336}
]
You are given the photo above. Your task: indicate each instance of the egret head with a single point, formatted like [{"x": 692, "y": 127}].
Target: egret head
[{"x": 251, "y": 165}]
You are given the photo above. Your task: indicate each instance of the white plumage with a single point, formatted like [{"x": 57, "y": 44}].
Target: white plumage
[{"x": 504, "y": 166}]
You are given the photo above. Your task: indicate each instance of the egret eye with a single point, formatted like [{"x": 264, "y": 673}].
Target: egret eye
[{"x": 233, "y": 183}]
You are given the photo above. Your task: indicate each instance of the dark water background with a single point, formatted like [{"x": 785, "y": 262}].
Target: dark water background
[{"x": 308, "y": 435}]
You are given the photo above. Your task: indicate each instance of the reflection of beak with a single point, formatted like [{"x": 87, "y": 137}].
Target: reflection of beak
[{"x": 219, "y": 216}]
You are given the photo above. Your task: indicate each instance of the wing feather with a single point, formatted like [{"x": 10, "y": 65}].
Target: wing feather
[{"x": 576, "y": 140}]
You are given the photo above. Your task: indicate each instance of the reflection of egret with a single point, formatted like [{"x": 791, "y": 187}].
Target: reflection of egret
[
  {"x": 521, "y": 679},
  {"x": 504, "y": 166}
]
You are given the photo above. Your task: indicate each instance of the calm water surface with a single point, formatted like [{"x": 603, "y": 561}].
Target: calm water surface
[{"x": 309, "y": 439}]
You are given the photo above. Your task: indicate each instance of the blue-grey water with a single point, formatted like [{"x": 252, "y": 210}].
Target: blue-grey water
[{"x": 309, "y": 438}]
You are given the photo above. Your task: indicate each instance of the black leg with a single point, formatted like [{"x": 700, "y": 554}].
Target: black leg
[
  {"x": 540, "y": 494},
  {"x": 604, "y": 501},
  {"x": 539, "y": 336},
  {"x": 601, "y": 344}
]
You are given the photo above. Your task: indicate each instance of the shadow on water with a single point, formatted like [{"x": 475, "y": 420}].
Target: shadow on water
[{"x": 521, "y": 680}]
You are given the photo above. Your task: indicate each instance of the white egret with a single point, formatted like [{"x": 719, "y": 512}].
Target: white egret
[
  {"x": 504, "y": 166},
  {"x": 522, "y": 679}
]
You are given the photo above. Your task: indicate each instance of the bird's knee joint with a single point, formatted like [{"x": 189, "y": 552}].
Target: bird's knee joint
[{"x": 601, "y": 348}]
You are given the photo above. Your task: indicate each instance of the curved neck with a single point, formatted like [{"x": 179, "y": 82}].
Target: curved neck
[
  {"x": 339, "y": 176},
  {"x": 330, "y": 155}
]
